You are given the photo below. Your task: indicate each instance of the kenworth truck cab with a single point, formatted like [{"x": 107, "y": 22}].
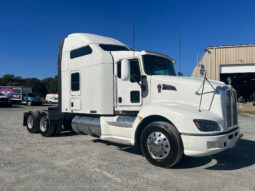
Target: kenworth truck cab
[{"x": 108, "y": 90}]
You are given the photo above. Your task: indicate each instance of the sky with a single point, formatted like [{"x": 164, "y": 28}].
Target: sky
[{"x": 30, "y": 31}]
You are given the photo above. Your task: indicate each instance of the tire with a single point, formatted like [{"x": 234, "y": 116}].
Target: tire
[
  {"x": 161, "y": 144},
  {"x": 33, "y": 122},
  {"x": 46, "y": 130},
  {"x": 58, "y": 128},
  {"x": 29, "y": 103}
]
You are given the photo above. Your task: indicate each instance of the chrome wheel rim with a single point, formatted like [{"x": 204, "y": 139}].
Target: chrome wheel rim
[
  {"x": 43, "y": 124},
  {"x": 158, "y": 145},
  {"x": 30, "y": 121}
]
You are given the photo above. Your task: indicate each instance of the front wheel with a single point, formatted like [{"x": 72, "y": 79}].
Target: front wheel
[
  {"x": 161, "y": 144},
  {"x": 29, "y": 103}
]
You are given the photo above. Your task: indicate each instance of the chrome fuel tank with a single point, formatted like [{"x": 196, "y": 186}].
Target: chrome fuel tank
[{"x": 87, "y": 125}]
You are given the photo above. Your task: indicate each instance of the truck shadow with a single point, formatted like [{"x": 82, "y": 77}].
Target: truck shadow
[
  {"x": 242, "y": 155},
  {"x": 15, "y": 106},
  {"x": 121, "y": 147},
  {"x": 66, "y": 134}
]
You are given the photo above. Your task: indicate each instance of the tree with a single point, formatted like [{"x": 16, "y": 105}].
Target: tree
[
  {"x": 7, "y": 78},
  {"x": 39, "y": 87},
  {"x": 51, "y": 84}
]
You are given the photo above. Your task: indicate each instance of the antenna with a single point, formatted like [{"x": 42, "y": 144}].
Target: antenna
[
  {"x": 133, "y": 15},
  {"x": 180, "y": 54}
]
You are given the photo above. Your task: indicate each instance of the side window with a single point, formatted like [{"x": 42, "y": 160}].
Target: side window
[
  {"x": 80, "y": 52},
  {"x": 135, "y": 70},
  {"x": 75, "y": 81},
  {"x": 135, "y": 96}
]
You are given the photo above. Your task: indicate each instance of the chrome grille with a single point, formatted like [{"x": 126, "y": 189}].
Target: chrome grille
[
  {"x": 234, "y": 105},
  {"x": 231, "y": 108}
]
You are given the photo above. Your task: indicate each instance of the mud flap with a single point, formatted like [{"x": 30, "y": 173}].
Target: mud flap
[{"x": 25, "y": 119}]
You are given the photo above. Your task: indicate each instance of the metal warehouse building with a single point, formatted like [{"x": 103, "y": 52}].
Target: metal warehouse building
[{"x": 236, "y": 61}]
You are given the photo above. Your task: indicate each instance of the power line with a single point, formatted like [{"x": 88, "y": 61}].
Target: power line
[{"x": 180, "y": 54}]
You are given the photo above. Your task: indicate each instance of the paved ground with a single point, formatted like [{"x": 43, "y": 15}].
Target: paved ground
[{"x": 78, "y": 162}]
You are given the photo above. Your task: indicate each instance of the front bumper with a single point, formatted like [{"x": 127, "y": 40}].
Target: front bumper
[{"x": 204, "y": 145}]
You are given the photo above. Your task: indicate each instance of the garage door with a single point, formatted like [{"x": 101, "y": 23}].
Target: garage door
[{"x": 237, "y": 69}]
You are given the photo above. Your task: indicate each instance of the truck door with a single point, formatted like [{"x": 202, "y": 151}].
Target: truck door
[
  {"x": 75, "y": 102},
  {"x": 129, "y": 91}
]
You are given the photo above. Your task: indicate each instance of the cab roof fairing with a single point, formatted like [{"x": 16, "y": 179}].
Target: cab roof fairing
[{"x": 77, "y": 40}]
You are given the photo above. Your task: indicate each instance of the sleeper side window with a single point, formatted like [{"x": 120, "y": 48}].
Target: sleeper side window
[
  {"x": 80, "y": 52},
  {"x": 75, "y": 81}
]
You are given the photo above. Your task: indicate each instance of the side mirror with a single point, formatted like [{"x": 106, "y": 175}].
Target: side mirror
[
  {"x": 202, "y": 69},
  {"x": 125, "y": 69}
]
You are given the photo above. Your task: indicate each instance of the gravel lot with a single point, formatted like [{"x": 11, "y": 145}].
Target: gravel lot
[{"x": 78, "y": 162}]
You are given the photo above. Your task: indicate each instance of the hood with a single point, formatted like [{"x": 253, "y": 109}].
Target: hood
[
  {"x": 186, "y": 80},
  {"x": 186, "y": 90}
]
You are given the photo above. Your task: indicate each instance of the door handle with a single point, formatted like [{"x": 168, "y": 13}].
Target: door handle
[{"x": 71, "y": 104}]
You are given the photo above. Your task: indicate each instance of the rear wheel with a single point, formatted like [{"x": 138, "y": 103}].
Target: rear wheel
[
  {"x": 46, "y": 130},
  {"x": 32, "y": 122},
  {"x": 161, "y": 144}
]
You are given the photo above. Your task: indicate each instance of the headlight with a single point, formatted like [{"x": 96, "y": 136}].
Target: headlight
[{"x": 206, "y": 125}]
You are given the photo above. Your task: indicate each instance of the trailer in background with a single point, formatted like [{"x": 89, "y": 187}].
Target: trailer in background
[
  {"x": 20, "y": 94},
  {"x": 51, "y": 98}
]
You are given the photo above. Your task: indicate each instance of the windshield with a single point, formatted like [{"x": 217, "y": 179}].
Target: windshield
[
  {"x": 1, "y": 94},
  {"x": 156, "y": 65}
]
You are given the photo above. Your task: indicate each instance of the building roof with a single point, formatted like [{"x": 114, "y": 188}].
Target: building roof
[{"x": 233, "y": 46}]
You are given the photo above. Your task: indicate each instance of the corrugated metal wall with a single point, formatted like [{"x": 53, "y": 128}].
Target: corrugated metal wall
[{"x": 215, "y": 57}]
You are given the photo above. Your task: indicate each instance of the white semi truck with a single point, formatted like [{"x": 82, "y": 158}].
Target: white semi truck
[{"x": 108, "y": 90}]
